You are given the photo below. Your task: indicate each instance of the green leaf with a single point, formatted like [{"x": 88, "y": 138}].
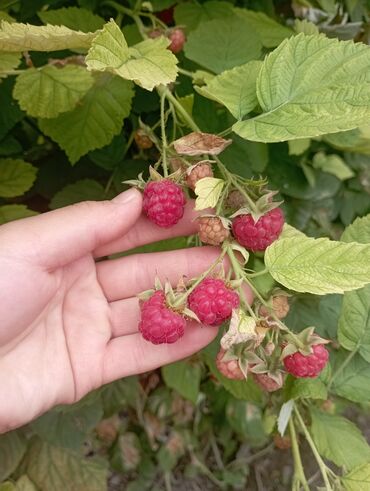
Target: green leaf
[
  {"x": 318, "y": 266},
  {"x": 75, "y": 18},
  {"x": 332, "y": 164},
  {"x": 6, "y": 16},
  {"x": 351, "y": 377},
  {"x": 235, "y": 88},
  {"x": 357, "y": 140},
  {"x": 190, "y": 14},
  {"x": 183, "y": 377},
  {"x": 24, "y": 483},
  {"x": 16, "y": 177},
  {"x": 148, "y": 63},
  {"x": 10, "y": 112},
  {"x": 8, "y": 213},
  {"x": 12, "y": 449},
  {"x": 54, "y": 468},
  {"x": 305, "y": 26},
  {"x": 358, "y": 231},
  {"x": 69, "y": 428},
  {"x": 308, "y": 389},
  {"x": 358, "y": 479},
  {"x": 208, "y": 191},
  {"x": 84, "y": 190},
  {"x": 121, "y": 393},
  {"x": 234, "y": 44},
  {"x": 339, "y": 440},
  {"x": 297, "y": 147},
  {"x": 24, "y": 37},
  {"x": 8, "y": 62},
  {"x": 95, "y": 121},
  {"x": 310, "y": 86},
  {"x": 49, "y": 91},
  {"x": 270, "y": 32}
]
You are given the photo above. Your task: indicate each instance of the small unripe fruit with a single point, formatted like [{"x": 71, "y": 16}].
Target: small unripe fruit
[
  {"x": 212, "y": 231},
  {"x": 229, "y": 369},
  {"x": 177, "y": 38},
  {"x": 142, "y": 140},
  {"x": 280, "y": 307},
  {"x": 198, "y": 172}
]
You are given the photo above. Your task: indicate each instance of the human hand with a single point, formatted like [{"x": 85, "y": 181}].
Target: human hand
[{"x": 70, "y": 324}]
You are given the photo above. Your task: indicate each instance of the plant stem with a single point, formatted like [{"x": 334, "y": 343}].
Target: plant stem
[
  {"x": 164, "y": 137},
  {"x": 320, "y": 462},
  {"x": 186, "y": 116},
  {"x": 167, "y": 481},
  {"x": 299, "y": 475},
  {"x": 120, "y": 8},
  {"x": 186, "y": 72},
  {"x": 258, "y": 273}
]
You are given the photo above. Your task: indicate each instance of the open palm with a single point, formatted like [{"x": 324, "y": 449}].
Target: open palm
[{"x": 70, "y": 324}]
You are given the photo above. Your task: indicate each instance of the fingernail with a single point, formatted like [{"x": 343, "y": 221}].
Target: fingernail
[{"x": 127, "y": 196}]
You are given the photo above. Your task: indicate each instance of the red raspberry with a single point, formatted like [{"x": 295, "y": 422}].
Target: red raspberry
[
  {"x": 166, "y": 15},
  {"x": 304, "y": 366},
  {"x": 158, "y": 323},
  {"x": 164, "y": 202},
  {"x": 213, "y": 302},
  {"x": 256, "y": 236},
  {"x": 265, "y": 382},
  {"x": 229, "y": 369},
  {"x": 177, "y": 38}
]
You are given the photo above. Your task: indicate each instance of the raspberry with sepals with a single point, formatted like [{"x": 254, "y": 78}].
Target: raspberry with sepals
[
  {"x": 159, "y": 324},
  {"x": 280, "y": 307},
  {"x": 307, "y": 366},
  {"x": 211, "y": 230},
  {"x": 164, "y": 202},
  {"x": 266, "y": 383},
  {"x": 228, "y": 368},
  {"x": 142, "y": 140},
  {"x": 199, "y": 171},
  {"x": 177, "y": 38},
  {"x": 213, "y": 301},
  {"x": 235, "y": 199},
  {"x": 258, "y": 235}
]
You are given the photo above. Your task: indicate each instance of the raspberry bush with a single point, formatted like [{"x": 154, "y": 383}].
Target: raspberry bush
[{"x": 255, "y": 115}]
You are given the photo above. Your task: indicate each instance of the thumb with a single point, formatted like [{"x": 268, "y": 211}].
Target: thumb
[{"x": 61, "y": 236}]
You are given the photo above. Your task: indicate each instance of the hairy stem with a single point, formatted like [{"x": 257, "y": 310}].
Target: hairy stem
[
  {"x": 299, "y": 475},
  {"x": 164, "y": 137}
]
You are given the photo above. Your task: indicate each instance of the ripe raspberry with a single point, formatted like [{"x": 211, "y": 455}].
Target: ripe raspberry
[
  {"x": 304, "y": 366},
  {"x": 213, "y": 302},
  {"x": 256, "y": 236},
  {"x": 164, "y": 202},
  {"x": 280, "y": 307},
  {"x": 177, "y": 38},
  {"x": 229, "y": 369},
  {"x": 158, "y": 323},
  {"x": 265, "y": 382},
  {"x": 198, "y": 172},
  {"x": 142, "y": 140},
  {"x": 212, "y": 230}
]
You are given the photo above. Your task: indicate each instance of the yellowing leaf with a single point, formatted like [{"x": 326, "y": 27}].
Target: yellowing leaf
[
  {"x": 235, "y": 88},
  {"x": 25, "y": 37},
  {"x": 208, "y": 191},
  {"x": 310, "y": 86},
  {"x": 97, "y": 119},
  {"x": 49, "y": 91},
  {"x": 318, "y": 266},
  {"x": 148, "y": 63},
  {"x": 197, "y": 143}
]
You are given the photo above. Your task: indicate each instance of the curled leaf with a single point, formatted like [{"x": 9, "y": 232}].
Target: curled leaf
[{"x": 198, "y": 143}]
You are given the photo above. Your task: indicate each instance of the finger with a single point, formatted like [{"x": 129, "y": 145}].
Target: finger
[
  {"x": 129, "y": 355},
  {"x": 125, "y": 316},
  {"x": 146, "y": 232},
  {"x": 127, "y": 276},
  {"x": 61, "y": 236}
]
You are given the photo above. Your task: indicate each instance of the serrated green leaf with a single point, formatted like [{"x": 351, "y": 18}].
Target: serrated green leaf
[
  {"x": 351, "y": 377},
  {"x": 78, "y": 19},
  {"x": 54, "y": 468},
  {"x": 236, "y": 43},
  {"x": 339, "y": 440},
  {"x": 84, "y": 190},
  {"x": 8, "y": 213},
  {"x": 17, "y": 37},
  {"x": 8, "y": 61},
  {"x": 10, "y": 112},
  {"x": 208, "y": 191},
  {"x": 310, "y": 86},
  {"x": 235, "y": 88},
  {"x": 332, "y": 164},
  {"x": 95, "y": 121},
  {"x": 12, "y": 449},
  {"x": 190, "y": 14},
  {"x": 270, "y": 32},
  {"x": 148, "y": 63},
  {"x": 49, "y": 91},
  {"x": 358, "y": 479},
  {"x": 16, "y": 177},
  {"x": 183, "y": 377},
  {"x": 358, "y": 231},
  {"x": 318, "y": 266},
  {"x": 308, "y": 389},
  {"x": 357, "y": 140}
]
